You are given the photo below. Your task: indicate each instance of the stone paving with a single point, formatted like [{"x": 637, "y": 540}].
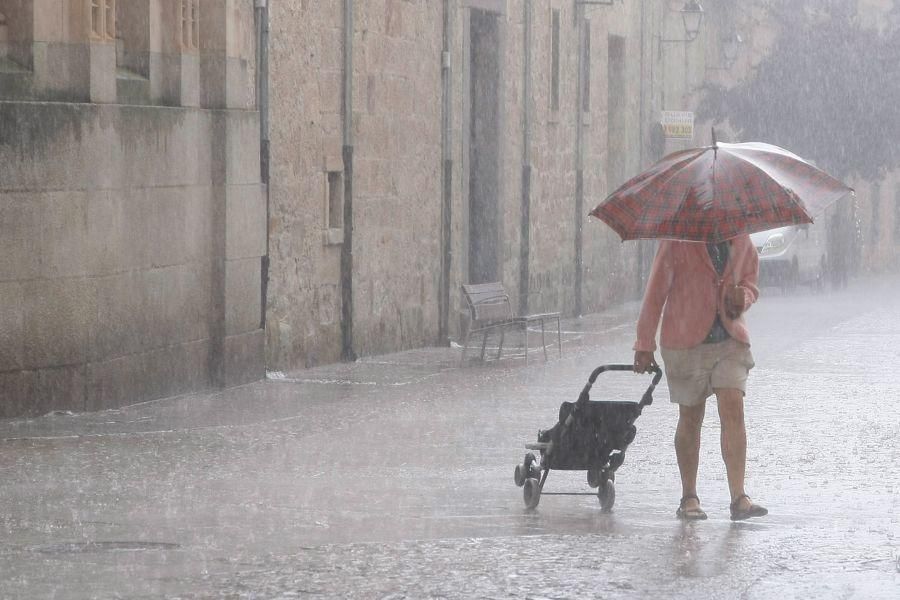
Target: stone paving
[{"x": 392, "y": 478}]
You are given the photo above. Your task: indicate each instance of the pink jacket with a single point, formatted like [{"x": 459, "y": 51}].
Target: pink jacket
[{"x": 684, "y": 279}]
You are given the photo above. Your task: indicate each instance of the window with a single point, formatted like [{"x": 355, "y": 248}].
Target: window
[
  {"x": 190, "y": 24},
  {"x": 334, "y": 208},
  {"x": 586, "y": 65},
  {"x": 103, "y": 19},
  {"x": 554, "y": 60}
]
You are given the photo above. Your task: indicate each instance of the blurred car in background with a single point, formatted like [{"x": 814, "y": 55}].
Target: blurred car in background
[{"x": 792, "y": 255}]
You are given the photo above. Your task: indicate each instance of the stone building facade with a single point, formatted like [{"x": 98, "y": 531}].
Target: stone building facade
[
  {"x": 132, "y": 213},
  {"x": 421, "y": 144},
  {"x": 395, "y": 148}
]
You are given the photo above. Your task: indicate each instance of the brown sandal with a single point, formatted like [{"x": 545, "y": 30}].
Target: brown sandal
[
  {"x": 754, "y": 510},
  {"x": 690, "y": 514}
]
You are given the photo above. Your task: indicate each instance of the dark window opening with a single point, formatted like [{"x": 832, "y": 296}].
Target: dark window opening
[
  {"x": 554, "y": 61},
  {"x": 586, "y": 62},
  {"x": 897, "y": 217},
  {"x": 132, "y": 20}
]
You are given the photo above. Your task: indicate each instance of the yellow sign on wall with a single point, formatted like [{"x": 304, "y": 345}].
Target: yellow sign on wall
[{"x": 678, "y": 124}]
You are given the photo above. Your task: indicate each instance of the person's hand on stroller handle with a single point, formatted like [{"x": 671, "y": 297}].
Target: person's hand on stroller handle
[{"x": 644, "y": 361}]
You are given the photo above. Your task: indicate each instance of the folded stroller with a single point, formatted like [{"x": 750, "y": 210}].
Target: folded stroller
[{"x": 590, "y": 436}]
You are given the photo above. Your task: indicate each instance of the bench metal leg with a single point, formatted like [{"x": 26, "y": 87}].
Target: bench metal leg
[
  {"x": 462, "y": 359},
  {"x": 558, "y": 336},
  {"x": 502, "y": 335},
  {"x": 483, "y": 344},
  {"x": 543, "y": 342}
]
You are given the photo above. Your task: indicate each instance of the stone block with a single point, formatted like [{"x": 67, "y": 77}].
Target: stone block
[
  {"x": 163, "y": 292},
  {"x": 243, "y": 295},
  {"x": 11, "y": 326},
  {"x": 140, "y": 377},
  {"x": 157, "y": 148},
  {"x": 162, "y": 214},
  {"x": 190, "y": 80},
  {"x": 13, "y": 401},
  {"x": 166, "y": 372},
  {"x": 196, "y": 302},
  {"x": 20, "y": 235},
  {"x": 242, "y": 150},
  {"x": 239, "y": 85},
  {"x": 103, "y": 72},
  {"x": 112, "y": 245},
  {"x": 49, "y": 24},
  {"x": 244, "y": 358},
  {"x": 121, "y": 319},
  {"x": 60, "y": 315},
  {"x": 62, "y": 71},
  {"x": 64, "y": 248},
  {"x": 165, "y": 78},
  {"x": 50, "y": 389},
  {"x": 117, "y": 382},
  {"x": 213, "y": 80},
  {"x": 133, "y": 89},
  {"x": 197, "y": 223},
  {"x": 245, "y": 221}
]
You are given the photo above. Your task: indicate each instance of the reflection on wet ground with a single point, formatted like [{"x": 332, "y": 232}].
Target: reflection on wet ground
[{"x": 392, "y": 477}]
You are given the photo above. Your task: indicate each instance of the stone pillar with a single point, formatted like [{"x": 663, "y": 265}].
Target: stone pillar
[{"x": 238, "y": 209}]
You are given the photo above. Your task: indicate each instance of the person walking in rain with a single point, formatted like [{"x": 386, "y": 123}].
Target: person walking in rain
[{"x": 701, "y": 291}]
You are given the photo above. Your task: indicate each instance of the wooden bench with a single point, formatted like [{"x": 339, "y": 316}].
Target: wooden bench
[{"x": 491, "y": 311}]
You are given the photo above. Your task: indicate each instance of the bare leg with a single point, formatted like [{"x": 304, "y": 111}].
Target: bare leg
[
  {"x": 687, "y": 449},
  {"x": 734, "y": 439}
]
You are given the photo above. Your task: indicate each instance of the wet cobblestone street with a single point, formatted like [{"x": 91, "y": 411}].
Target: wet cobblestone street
[{"x": 392, "y": 478}]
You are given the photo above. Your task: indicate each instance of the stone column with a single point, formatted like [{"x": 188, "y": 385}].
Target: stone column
[{"x": 238, "y": 209}]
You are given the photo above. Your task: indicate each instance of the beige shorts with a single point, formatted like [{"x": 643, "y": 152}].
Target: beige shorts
[{"x": 694, "y": 373}]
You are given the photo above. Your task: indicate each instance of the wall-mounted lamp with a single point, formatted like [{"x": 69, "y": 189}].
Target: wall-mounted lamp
[{"x": 692, "y": 18}]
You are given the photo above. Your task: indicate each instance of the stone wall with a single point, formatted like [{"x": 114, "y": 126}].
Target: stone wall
[
  {"x": 395, "y": 131},
  {"x": 397, "y": 166},
  {"x": 131, "y": 236}
]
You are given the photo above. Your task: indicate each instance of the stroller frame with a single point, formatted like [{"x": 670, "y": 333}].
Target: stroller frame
[{"x": 589, "y": 436}]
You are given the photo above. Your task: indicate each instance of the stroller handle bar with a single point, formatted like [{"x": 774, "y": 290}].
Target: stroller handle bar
[{"x": 647, "y": 398}]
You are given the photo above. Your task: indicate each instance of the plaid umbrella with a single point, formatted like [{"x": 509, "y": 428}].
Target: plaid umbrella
[{"x": 718, "y": 192}]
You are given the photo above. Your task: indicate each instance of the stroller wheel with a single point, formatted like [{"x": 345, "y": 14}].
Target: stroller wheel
[
  {"x": 532, "y": 492},
  {"x": 520, "y": 475},
  {"x": 593, "y": 478},
  {"x": 607, "y": 496}
]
